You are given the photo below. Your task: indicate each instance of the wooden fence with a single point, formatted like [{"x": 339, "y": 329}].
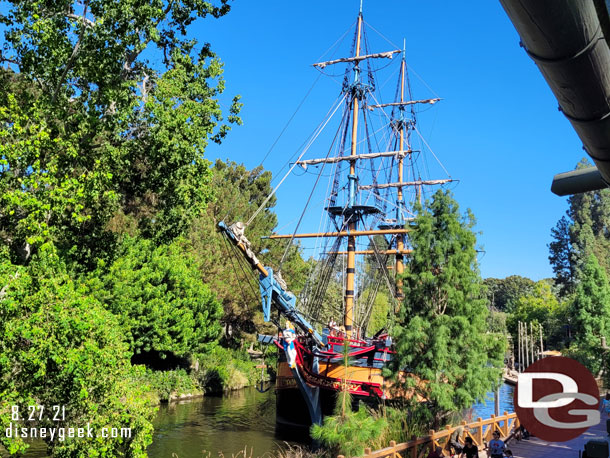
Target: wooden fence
[{"x": 480, "y": 431}]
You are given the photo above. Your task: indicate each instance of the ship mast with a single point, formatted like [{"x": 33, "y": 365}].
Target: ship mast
[
  {"x": 348, "y": 318},
  {"x": 345, "y": 215},
  {"x": 351, "y": 212},
  {"x": 400, "y": 244}
]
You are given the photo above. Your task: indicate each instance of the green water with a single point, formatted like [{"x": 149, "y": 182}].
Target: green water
[
  {"x": 214, "y": 425},
  {"x": 210, "y": 426}
]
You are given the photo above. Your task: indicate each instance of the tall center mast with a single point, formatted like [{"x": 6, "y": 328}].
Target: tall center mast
[
  {"x": 351, "y": 218},
  {"x": 400, "y": 244}
]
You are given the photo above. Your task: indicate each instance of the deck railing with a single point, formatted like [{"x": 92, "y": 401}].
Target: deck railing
[{"x": 480, "y": 431}]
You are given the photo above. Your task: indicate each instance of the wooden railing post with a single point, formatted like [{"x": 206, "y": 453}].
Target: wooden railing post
[
  {"x": 417, "y": 446},
  {"x": 414, "y": 449},
  {"x": 506, "y": 431}
]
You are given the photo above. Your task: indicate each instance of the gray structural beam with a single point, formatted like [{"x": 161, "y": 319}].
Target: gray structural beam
[
  {"x": 566, "y": 40},
  {"x": 576, "y": 181}
]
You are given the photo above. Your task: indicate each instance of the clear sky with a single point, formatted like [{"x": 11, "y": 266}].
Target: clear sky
[{"x": 497, "y": 129}]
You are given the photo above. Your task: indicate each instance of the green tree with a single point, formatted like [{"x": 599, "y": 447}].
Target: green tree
[
  {"x": 59, "y": 346},
  {"x": 496, "y": 321},
  {"x": 591, "y": 315},
  {"x": 441, "y": 336},
  {"x": 503, "y": 293},
  {"x": 582, "y": 232},
  {"x": 380, "y": 313},
  {"x": 94, "y": 137},
  {"x": 539, "y": 307},
  {"x": 348, "y": 432},
  {"x": 159, "y": 297}
]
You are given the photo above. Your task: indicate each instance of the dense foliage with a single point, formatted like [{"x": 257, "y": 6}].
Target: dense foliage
[
  {"x": 538, "y": 307},
  {"x": 94, "y": 132},
  {"x": 106, "y": 109},
  {"x": 59, "y": 346},
  {"x": 348, "y": 432},
  {"x": 441, "y": 336},
  {"x": 161, "y": 299},
  {"x": 504, "y": 293},
  {"x": 590, "y": 310}
]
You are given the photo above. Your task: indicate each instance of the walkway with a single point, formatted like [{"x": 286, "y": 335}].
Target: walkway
[
  {"x": 481, "y": 431},
  {"x": 537, "y": 448}
]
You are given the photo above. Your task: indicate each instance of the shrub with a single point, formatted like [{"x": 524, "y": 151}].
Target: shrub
[
  {"x": 171, "y": 384},
  {"x": 59, "y": 346},
  {"x": 223, "y": 369},
  {"x": 161, "y": 300},
  {"x": 348, "y": 432}
]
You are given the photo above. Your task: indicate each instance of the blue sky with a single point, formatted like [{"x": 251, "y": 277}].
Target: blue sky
[{"x": 497, "y": 128}]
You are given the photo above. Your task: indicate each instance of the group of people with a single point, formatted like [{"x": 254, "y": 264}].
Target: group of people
[
  {"x": 334, "y": 330},
  {"x": 496, "y": 448}
]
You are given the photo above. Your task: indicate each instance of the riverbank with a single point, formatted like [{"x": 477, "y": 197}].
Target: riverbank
[{"x": 220, "y": 371}]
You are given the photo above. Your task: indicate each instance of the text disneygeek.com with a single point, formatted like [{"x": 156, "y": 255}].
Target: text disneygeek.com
[
  {"x": 21, "y": 415},
  {"x": 60, "y": 433}
]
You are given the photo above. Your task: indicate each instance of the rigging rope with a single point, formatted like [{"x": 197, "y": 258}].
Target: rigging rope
[
  {"x": 293, "y": 166},
  {"x": 290, "y": 120},
  {"x": 289, "y": 244},
  {"x": 426, "y": 143}
]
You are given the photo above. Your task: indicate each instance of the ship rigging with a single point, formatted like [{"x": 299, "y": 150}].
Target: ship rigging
[{"x": 375, "y": 187}]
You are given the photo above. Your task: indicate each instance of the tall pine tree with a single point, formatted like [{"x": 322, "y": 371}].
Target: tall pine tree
[
  {"x": 583, "y": 231},
  {"x": 591, "y": 315},
  {"x": 441, "y": 335}
]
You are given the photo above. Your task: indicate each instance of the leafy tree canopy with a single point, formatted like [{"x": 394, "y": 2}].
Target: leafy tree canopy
[
  {"x": 503, "y": 293},
  {"x": 441, "y": 335},
  {"x": 539, "y": 307},
  {"x": 92, "y": 133}
]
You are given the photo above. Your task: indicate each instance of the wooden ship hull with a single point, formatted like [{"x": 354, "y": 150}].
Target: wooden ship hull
[{"x": 327, "y": 372}]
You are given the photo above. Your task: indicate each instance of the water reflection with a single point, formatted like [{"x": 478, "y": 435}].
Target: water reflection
[
  {"x": 486, "y": 409},
  {"x": 204, "y": 427},
  {"x": 216, "y": 424}
]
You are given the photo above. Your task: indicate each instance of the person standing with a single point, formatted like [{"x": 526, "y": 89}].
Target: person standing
[
  {"x": 469, "y": 450},
  {"x": 606, "y": 404},
  {"x": 496, "y": 446}
]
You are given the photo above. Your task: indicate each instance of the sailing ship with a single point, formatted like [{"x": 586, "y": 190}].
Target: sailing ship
[{"x": 373, "y": 186}]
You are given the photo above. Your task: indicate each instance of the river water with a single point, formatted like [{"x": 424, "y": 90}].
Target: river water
[
  {"x": 203, "y": 428},
  {"x": 243, "y": 418},
  {"x": 211, "y": 425}
]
